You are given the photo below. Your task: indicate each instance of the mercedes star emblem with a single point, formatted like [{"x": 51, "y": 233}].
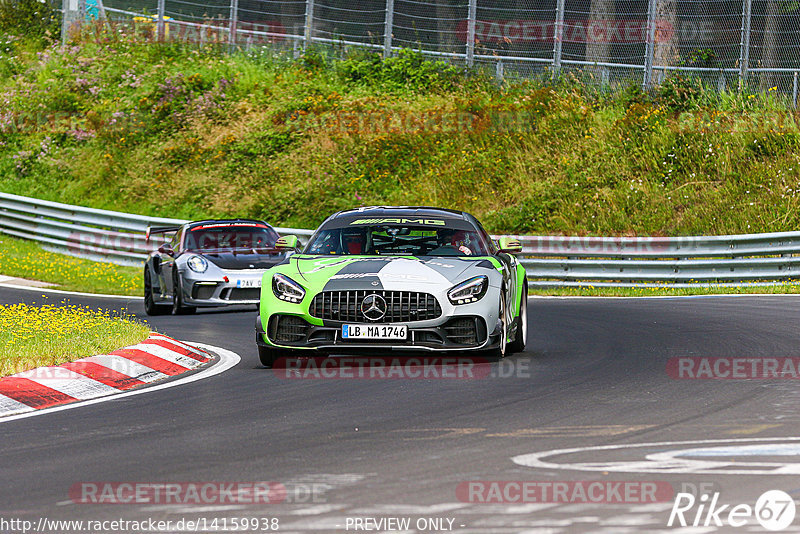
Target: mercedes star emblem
[{"x": 373, "y": 307}]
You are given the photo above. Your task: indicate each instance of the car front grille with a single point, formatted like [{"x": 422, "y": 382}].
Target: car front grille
[
  {"x": 288, "y": 329},
  {"x": 251, "y": 293},
  {"x": 203, "y": 291},
  {"x": 462, "y": 331},
  {"x": 401, "y": 306}
]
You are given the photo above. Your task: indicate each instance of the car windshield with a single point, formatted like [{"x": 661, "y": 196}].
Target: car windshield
[
  {"x": 398, "y": 240},
  {"x": 226, "y": 236}
]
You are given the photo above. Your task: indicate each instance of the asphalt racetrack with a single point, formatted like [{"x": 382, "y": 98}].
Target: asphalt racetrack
[{"x": 594, "y": 375}]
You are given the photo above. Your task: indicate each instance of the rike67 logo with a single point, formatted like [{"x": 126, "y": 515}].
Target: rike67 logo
[{"x": 774, "y": 510}]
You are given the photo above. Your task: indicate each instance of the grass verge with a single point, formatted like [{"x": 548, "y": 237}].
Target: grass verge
[
  {"x": 179, "y": 131},
  {"x": 27, "y": 259},
  {"x": 34, "y": 336},
  {"x": 785, "y": 288}
]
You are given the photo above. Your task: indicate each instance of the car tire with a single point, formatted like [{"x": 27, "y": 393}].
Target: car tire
[
  {"x": 518, "y": 345},
  {"x": 150, "y": 306},
  {"x": 178, "y": 307},
  {"x": 269, "y": 356},
  {"x": 501, "y": 350}
]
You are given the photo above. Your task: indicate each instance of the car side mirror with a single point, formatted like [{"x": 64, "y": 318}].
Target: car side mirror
[
  {"x": 287, "y": 242},
  {"x": 509, "y": 245},
  {"x": 166, "y": 249}
]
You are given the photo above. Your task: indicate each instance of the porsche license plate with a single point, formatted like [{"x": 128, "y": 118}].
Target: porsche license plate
[
  {"x": 374, "y": 331},
  {"x": 248, "y": 282}
]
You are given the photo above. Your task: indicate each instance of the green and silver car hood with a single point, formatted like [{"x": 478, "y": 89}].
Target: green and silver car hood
[{"x": 338, "y": 273}]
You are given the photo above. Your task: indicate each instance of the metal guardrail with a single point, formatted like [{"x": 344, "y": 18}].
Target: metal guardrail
[
  {"x": 100, "y": 235},
  {"x": 550, "y": 261},
  {"x": 726, "y": 260}
]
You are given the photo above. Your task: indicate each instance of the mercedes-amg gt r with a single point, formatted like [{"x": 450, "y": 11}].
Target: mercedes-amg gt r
[{"x": 394, "y": 278}]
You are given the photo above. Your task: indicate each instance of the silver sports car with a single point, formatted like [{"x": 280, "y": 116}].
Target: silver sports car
[{"x": 209, "y": 263}]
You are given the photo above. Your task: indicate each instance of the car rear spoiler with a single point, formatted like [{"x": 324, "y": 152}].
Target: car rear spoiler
[{"x": 159, "y": 230}]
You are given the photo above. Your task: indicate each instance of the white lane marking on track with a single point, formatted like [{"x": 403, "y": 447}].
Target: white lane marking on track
[
  {"x": 670, "y": 463},
  {"x": 651, "y": 297},
  {"x": 227, "y": 359},
  {"x": 318, "y": 509},
  {"x": 63, "y": 292}
]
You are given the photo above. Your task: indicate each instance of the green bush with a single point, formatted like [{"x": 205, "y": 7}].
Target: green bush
[
  {"x": 408, "y": 69},
  {"x": 680, "y": 93},
  {"x": 30, "y": 18}
]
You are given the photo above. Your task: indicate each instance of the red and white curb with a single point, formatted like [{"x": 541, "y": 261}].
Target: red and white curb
[{"x": 156, "y": 358}]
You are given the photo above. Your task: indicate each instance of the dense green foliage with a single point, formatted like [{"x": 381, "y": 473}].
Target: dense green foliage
[
  {"x": 173, "y": 130},
  {"x": 31, "y": 18}
]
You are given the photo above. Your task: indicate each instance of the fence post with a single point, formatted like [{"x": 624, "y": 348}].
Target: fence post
[
  {"x": 74, "y": 13},
  {"x": 794, "y": 90},
  {"x": 160, "y": 22},
  {"x": 66, "y": 19},
  {"x": 387, "y": 29},
  {"x": 558, "y": 34},
  {"x": 309, "y": 30},
  {"x": 471, "y": 16},
  {"x": 650, "y": 49},
  {"x": 297, "y": 43},
  {"x": 744, "y": 52},
  {"x": 234, "y": 23}
]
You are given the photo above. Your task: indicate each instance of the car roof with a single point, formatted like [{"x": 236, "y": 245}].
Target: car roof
[
  {"x": 225, "y": 221},
  {"x": 401, "y": 211}
]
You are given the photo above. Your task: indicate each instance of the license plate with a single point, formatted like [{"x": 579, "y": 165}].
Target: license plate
[
  {"x": 249, "y": 282},
  {"x": 374, "y": 331}
]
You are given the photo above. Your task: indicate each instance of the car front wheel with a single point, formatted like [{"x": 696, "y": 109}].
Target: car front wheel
[
  {"x": 150, "y": 306},
  {"x": 269, "y": 356},
  {"x": 518, "y": 345},
  {"x": 178, "y": 307},
  {"x": 500, "y": 351}
]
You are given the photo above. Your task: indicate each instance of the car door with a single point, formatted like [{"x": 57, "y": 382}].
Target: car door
[{"x": 168, "y": 264}]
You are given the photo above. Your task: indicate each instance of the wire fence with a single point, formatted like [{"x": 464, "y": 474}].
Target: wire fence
[{"x": 751, "y": 44}]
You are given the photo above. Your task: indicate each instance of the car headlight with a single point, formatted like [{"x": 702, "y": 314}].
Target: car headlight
[
  {"x": 197, "y": 263},
  {"x": 469, "y": 290},
  {"x": 287, "y": 289}
]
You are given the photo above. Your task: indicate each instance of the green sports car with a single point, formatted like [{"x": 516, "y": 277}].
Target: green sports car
[{"x": 382, "y": 279}]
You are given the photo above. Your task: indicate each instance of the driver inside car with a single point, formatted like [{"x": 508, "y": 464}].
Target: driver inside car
[{"x": 354, "y": 242}]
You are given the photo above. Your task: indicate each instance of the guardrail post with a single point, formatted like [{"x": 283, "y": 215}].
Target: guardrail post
[
  {"x": 744, "y": 50},
  {"x": 387, "y": 29},
  {"x": 650, "y": 48},
  {"x": 309, "y": 29},
  {"x": 160, "y": 22},
  {"x": 558, "y": 35},
  {"x": 234, "y": 23},
  {"x": 471, "y": 16}
]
